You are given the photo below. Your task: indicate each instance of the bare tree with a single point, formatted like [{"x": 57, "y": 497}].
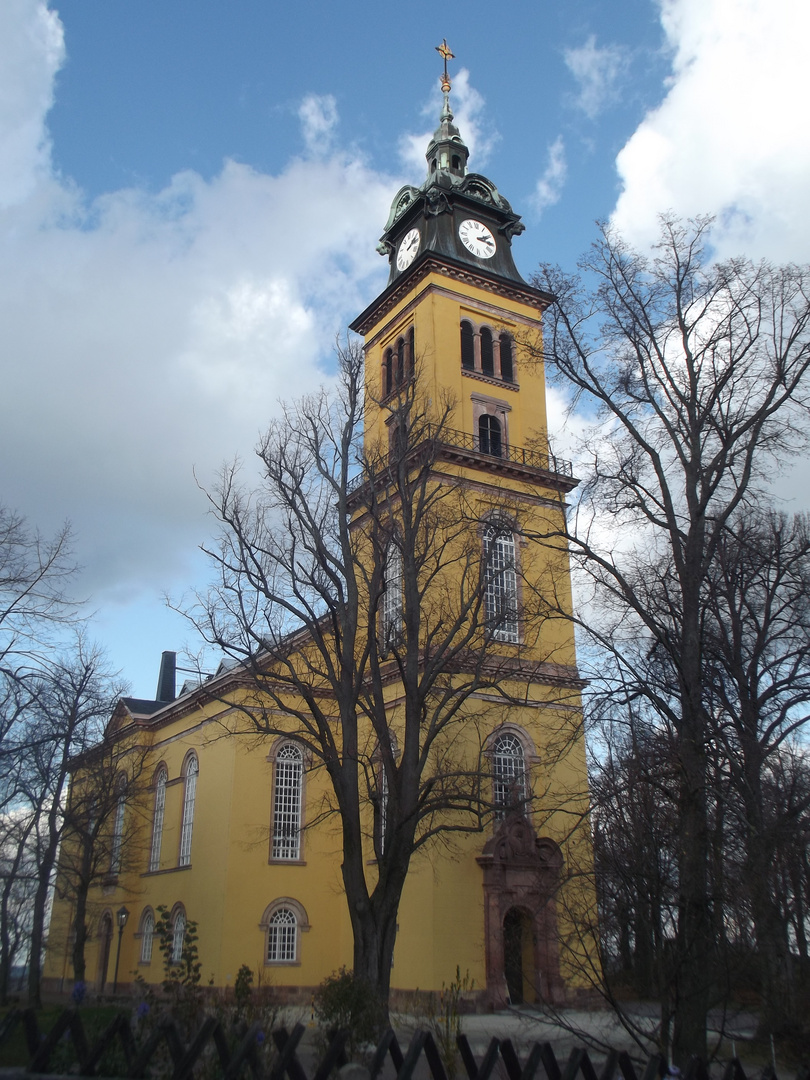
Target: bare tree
[
  {"x": 68, "y": 701},
  {"x": 758, "y": 693},
  {"x": 699, "y": 376},
  {"x": 352, "y": 590}
]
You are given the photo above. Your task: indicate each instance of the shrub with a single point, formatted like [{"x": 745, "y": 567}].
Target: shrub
[{"x": 344, "y": 1000}]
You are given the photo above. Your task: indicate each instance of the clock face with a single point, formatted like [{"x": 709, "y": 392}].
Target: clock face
[
  {"x": 477, "y": 238},
  {"x": 408, "y": 249}
]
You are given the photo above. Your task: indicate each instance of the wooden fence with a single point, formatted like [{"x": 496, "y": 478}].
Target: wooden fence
[{"x": 236, "y": 1058}]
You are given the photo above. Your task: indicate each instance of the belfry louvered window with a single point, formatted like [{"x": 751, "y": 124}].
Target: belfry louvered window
[{"x": 287, "y": 802}]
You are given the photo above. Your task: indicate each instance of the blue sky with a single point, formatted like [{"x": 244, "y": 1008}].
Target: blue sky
[{"x": 191, "y": 193}]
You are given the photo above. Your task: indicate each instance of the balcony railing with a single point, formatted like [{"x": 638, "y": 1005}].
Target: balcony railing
[
  {"x": 492, "y": 450},
  {"x": 496, "y": 448}
]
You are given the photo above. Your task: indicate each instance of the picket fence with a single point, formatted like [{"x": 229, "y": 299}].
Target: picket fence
[{"x": 421, "y": 1058}]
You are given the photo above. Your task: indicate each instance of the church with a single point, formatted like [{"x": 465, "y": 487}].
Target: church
[{"x": 462, "y": 721}]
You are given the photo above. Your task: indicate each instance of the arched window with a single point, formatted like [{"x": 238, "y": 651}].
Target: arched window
[
  {"x": 189, "y": 798},
  {"x": 282, "y": 934},
  {"x": 467, "y": 346},
  {"x": 400, "y": 373},
  {"x": 287, "y": 802},
  {"x": 178, "y": 935},
  {"x": 411, "y": 353},
  {"x": 147, "y": 935},
  {"x": 283, "y": 922},
  {"x": 487, "y": 352},
  {"x": 118, "y": 824},
  {"x": 489, "y": 435},
  {"x": 391, "y": 612},
  {"x": 507, "y": 366},
  {"x": 508, "y": 774},
  {"x": 500, "y": 584},
  {"x": 388, "y": 372},
  {"x": 157, "y": 822}
]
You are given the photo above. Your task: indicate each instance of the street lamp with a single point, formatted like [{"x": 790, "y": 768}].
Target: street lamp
[{"x": 121, "y": 917}]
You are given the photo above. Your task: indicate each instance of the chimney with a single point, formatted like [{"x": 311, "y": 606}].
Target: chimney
[{"x": 166, "y": 690}]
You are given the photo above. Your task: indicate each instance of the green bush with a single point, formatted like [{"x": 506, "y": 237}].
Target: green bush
[{"x": 344, "y": 1000}]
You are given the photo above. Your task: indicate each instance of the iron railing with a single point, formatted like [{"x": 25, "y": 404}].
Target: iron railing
[{"x": 436, "y": 440}]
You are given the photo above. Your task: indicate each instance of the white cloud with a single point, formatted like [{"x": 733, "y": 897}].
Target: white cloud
[
  {"x": 319, "y": 117},
  {"x": 144, "y": 335},
  {"x": 549, "y": 186},
  {"x": 731, "y": 136},
  {"x": 597, "y": 71},
  {"x": 468, "y": 109},
  {"x": 32, "y": 49}
]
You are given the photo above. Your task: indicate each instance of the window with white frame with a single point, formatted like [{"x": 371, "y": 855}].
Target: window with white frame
[
  {"x": 178, "y": 935},
  {"x": 189, "y": 798},
  {"x": 147, "y": 935},
  {"x": 508, "y": 773},
  {"x": 500, "y": 584},
  {"x": 157, "y": 821},
  {"x": 289, "y": 773},
  {"x": 118, "y": 825},
  {"x": 391, "y": 609},
  {"x": 282, "y": 937}
]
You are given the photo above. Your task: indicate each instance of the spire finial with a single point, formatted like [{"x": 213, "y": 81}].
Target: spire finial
[{"x": 444, "y": 52}]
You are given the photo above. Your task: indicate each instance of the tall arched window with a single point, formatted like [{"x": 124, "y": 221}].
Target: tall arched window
[
  {"x": 500, "y": 584},
  {"x": 467, "y": 346},
  {"x": 287, "y": 802},
  {"x": 157, "y": 822},
  {"x": 507, "y": 366},
  {"x": 189, "y": 798},
  {"x": 147, "y": 935},
  {"x": 118, "y": 824},
  {"x": 391, "y": 607},
  {"x": 508, "y": 774},
  {"x": 178, "y": 935},
  {"x": 487, "y": 352},
  {"x": 401, "y": 365},
  {"x": 489, "y": 435},
  {"x": 282, "y": 934},
  {"x": 388, "y": 372}
]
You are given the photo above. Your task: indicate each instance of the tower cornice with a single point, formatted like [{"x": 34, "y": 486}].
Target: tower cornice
[{"x": 432, "y": 263}]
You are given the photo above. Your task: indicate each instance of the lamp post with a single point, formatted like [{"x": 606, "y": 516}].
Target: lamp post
[{"x": 121, "y": 917}]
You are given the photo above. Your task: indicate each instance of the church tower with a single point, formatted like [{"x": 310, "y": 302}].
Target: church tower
[{"x": 455, "y": 338}]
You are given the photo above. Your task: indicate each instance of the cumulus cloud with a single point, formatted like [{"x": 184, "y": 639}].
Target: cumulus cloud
[
  {"x": 468, "y": 116},
  {"x": 549, "y": 186},
  {"x": 145, "y": 335},
  {"x": 597, "y": 71},
  {"x": 319, "y": 117},
  {"x": 32, "y": 50},
  {"x": 730, "y": 137}
]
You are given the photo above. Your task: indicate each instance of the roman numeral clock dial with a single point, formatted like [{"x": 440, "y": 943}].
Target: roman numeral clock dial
[
  {"x": 477, "y": 238},
  {"x": 408, "y": 249}
]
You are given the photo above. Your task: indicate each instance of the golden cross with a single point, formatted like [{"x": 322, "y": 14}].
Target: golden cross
[{"x": 444, "y": 52}]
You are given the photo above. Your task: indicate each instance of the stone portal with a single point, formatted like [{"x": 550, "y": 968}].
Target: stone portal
[{"x": 521, "y": 878}]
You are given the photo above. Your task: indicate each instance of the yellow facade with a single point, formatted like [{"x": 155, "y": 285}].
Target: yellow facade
[{"x": 510, "y": 904}]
